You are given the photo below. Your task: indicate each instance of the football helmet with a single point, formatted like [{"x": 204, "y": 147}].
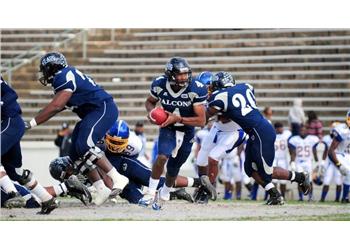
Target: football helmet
[
  {"x": 175, "y": 66},
  {"x": 205, "y": 77},
  {"x": 222, "y": 80},
  {"x": 117, "y": 137},
  {"x": 59, "y": 166},
  {"x": 50, "y": 64}
]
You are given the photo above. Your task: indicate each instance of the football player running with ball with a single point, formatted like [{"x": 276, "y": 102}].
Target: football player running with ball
[{"x": 184, "y": 100}]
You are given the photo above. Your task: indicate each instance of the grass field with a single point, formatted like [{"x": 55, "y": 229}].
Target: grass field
[{"x": 220, "y": 210}]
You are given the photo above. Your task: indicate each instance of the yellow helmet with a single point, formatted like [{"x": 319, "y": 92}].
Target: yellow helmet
[{"x": 117, "y": 137}]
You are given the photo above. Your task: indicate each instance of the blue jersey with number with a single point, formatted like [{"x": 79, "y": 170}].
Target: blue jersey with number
[
  {"x": 181, "y": 102},
  {"x": 9, "y": 105},
  {"x": 237, "y": 103},
  {"x": 86, "y": 93}
]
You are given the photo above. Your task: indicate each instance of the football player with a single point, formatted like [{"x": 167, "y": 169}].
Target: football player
[
  {"x": 97, "y": 110},
  {"x": 237, "y": 102},
  {"x": 12, "y": 130},
  {"x": 302, "y": 149},
  {"x": 183, "y": 98},
  {"x": 231, "y": 174},
  {"x": 281, "y": 153},
  {"x": 122, "y": 147},
  {"x": 331, "y": 172},
  {"x": 339, "y": 153},
  {"x": 223, "y": 137}
]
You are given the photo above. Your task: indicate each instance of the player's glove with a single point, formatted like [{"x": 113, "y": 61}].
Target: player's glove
[
  {"x": 27, "y": 125},
  {"x": 292, "y": 166}
]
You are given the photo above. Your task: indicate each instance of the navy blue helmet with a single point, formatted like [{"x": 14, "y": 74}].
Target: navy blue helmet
[
  {"x": 59, "y": 166},
  {"x": 50, "y": 64},
  {"x": 175, "y": 66},
  {"x": 222, "y": 80}
]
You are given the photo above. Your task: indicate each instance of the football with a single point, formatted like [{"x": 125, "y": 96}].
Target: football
[{"x": 158, "y": 115}]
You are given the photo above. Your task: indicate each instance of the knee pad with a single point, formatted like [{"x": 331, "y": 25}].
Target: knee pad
[{"x": 87, "y": 163}]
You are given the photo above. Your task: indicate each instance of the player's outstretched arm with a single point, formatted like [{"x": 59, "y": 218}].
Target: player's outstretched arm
[
  {"x": 197, "y": 121},
  {"x": 55, "y": 106}
]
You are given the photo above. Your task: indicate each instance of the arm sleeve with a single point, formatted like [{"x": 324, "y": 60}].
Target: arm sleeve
[
  {"x": 201, "y": 94},
  {"x": 291, "y": 143},
  {"x": 155, "y": 88}
]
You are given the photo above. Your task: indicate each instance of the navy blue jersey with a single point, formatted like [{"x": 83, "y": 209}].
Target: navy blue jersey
[
  {"x": 238, "y": 103},
  {"x": 181, "y": 102},
  {"x": 9, "y": 105},
  {"x": 86, "y": 93}
]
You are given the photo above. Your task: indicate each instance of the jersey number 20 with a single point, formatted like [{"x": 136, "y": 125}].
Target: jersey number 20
[{"x": 238, "y": 100}]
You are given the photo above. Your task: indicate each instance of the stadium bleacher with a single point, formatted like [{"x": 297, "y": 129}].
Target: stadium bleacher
[{"x": 282, "y": 64}]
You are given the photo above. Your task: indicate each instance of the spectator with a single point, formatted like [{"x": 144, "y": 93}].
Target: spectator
[
  {"x": 296, "y": 116},
  {"x": 64, "y": 140},
  {"x": 313, "y": 125},
  {"x": 268, "y": 114},
  {"x": 143, "y": 156}
]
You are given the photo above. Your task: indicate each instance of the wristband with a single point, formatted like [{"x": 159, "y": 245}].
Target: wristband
[{"x": 32, "y": 123}]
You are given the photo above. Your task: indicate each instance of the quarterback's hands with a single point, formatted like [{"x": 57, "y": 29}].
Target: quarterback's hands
[
  {"x": 150, "y": 119},
  {"x": 172, "y": 118}
]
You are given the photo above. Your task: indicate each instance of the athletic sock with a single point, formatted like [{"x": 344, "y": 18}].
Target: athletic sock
[
  {"x": 7, "y": 185},
  {"x": 254, "y": 192},
  {"x": 345, "y": 191},
  {"x": 60, "y": 189},
  {"x": 301, "y": 196},
  {"x": 323, "y": 195},
  {"x": 152, "y": 186},
  {"x": 41, "y": 193},
  {"x": 190, "y": 182},
  {"x": 337, "y": 194}
]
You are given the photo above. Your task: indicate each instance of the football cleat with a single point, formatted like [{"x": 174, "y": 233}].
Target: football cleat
[
  {"x": 208, "y": 187},
  {"x": 181, "y": 194},
  {"x": 15, "y": 201},
  {"x": 275, "y": 197},
  {"x": 201, "y": 196},
  {"x": 305, "y": 185},
  {"x": 78, "y": 190},
  {"x": 48, "y": 206}
]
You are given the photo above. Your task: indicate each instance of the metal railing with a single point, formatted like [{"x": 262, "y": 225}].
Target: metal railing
[{"x": 39, "y": 50}]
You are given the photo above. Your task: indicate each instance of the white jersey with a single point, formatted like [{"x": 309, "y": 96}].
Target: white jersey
[
  {"x": 342, "y": 134},
  {"x": 328, "y": 140},
  {"x": 304, "y": 147},
  {"x": 230, "y": 126},
  {"x": 281, "y": 145},
  {"x": 200, "y": 135},
  {"x": 134, "y": 145}
]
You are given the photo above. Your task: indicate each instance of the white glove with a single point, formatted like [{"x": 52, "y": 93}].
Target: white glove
[
  {"x": 343, "y": 170},
  {"x": 292, "y": 166},
  {"x": 27, "y": 125}
]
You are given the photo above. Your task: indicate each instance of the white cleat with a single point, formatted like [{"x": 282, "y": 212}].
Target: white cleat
[{"x": 102, "y": 195}]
